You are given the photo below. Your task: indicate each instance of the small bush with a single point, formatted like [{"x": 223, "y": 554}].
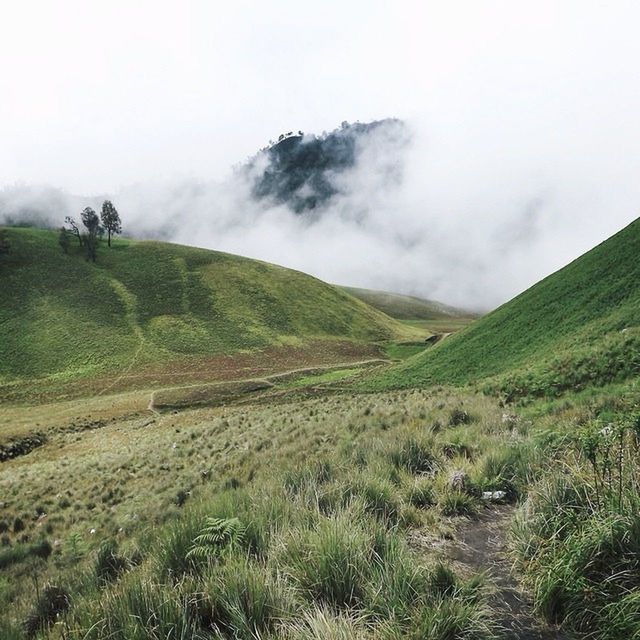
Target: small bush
[
  {"x": 332, "y": 563},
  {"x": 415, "y": 457},
  {"x": 53, "y": 601},
  {"x": 244, "y": 601},
  {"x": 421, "y": 494},
  {"x": 109, "y": 563},
  {"x": 458, "y": 417},
  {"x": 450, "y": 619},
  {"x": 457, "y": 503}
]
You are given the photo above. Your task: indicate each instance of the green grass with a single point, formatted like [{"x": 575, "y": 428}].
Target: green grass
[
  {"x": 148, "y": 303},
  {"x": 404, "y": 350},
  {"x": 324, "y": 378},
  {"x": 405, "y": 307},
  {"x": 576, "y": 328},
  {"x": 310, "y": 486}
]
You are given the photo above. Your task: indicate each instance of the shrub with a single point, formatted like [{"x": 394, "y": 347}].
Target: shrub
[
  {"x": 414, "y": 456},
  {"x": 109, "y": 563},
  {"x": 53, "y": 601},
  {"x": 459, "y": 417},
  {"x": 420, "y": 494},
  {"x": 244, "y": 601},
  {"x": 457, "y": 503},
  {"x": 449, "y": 619},
  {"x": 379, "y": 499},
  {"x": 138, "y": 609},
  {"x": 332, "y": 563}
]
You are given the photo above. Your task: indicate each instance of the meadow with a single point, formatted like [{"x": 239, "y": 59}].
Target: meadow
[{"x": 324, "y": 483}]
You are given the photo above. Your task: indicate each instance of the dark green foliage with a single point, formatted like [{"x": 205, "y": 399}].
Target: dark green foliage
[
  {"x": 217, "y": 537},
  {"x": 458, "y": 417},
  {"x": 90, "y": 239},
  {"x": 296, "y": 161},
  {"x": 109, "y": 563},
  {"x": 74, "y": 230},
  {"x": 53, "y": 601},
  {"x": 415, "y": 456},
  {"x": 5, "y": 244},
  {"x": 64, "y": 239},
  {"x": 110, "y": 220},
  {"x": 20, "y": 553}
]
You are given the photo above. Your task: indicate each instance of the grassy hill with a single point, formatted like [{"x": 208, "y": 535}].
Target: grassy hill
[
  {"x": 404, "y": 307},
  {"x": 576, "y": 328},
  {"x": 63, "y": 318}
]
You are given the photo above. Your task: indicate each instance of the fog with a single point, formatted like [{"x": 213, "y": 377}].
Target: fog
[{"x": 523, "y": 144}]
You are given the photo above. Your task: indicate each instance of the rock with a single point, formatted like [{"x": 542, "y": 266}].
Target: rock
[{"x": 494, "y": 496}]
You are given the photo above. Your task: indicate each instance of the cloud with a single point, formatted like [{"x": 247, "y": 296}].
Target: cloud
[{"x": 398, "y": 221}]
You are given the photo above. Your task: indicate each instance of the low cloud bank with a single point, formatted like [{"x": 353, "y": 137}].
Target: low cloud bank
[{"x": 411, "y": 215}]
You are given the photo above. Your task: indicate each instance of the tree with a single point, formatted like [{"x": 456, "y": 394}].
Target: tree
[
  {"x": 92, "y": 223},
  {"x": 5, "y": 245},
  {"x": 110, "y": 220},
  {"x": 75, "y": 231},
  {"x": 64, "y": 239}
]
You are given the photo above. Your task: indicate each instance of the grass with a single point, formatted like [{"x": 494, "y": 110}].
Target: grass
[
  {"x": 380, "y": 472},
  {"x": 577, "y": 536},
  {"x": 409, "y": 308},
  {"x": 146, "y": 304},
  {"x": 298, "y": 512},
  {"x": 574, "y": 329}
]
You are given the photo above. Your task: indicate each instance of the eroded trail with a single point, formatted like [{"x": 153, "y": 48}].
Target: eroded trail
[{"x": 481, "y": 546}]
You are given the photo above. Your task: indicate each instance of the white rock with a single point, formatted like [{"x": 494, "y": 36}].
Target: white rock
[{"x": 493, "y": 495}]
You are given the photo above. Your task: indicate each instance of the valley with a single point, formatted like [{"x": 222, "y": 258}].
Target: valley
[{"x": 198, "y": 445}]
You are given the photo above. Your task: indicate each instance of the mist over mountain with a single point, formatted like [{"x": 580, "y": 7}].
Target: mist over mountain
[
  {"x": 384, "y": 205},
  {"x": 304, "y": 171}
]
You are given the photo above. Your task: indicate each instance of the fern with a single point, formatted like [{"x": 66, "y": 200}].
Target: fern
[{"x": 218, "y": 536}]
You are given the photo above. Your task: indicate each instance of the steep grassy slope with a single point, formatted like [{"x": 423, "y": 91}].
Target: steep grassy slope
[
  {"x": 404, "y": 307},
  {"x": 62, "y": 317},
  {"x": 578, "y": 327}
]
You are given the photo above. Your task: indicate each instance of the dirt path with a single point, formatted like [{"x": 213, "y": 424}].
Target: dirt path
[
  {"x": 271, "y": 379},
  {"x": 481, "y": 546}
]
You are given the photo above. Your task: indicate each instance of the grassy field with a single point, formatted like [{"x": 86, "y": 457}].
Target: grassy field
[
  {"x": 576, "y": 328},
  {"x": 388, "y": 461},
  {"x": 281, "y": 498},
  {"x": 146, "y": 309}
]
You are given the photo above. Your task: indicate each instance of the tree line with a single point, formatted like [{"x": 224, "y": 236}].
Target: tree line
[{"x": 94, "y": 229}]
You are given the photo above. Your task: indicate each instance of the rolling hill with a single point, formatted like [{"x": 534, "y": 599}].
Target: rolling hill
[
  {"x": 404, "y": 307},
  {"x": 151, "y": 303},
  {"x": 576, "y": 328}
]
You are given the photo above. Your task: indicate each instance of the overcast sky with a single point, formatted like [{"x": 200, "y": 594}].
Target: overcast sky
[{"x": 517, "y": 107}]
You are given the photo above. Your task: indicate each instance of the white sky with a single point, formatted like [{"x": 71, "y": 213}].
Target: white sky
[{"x": 511, "y": 100}]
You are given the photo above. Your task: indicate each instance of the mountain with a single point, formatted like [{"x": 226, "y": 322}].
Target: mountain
[
  {"x": 303, "y": 171},
  {"x": 152, "y": 303},
  {"x": 577, "y": 328},
  {"x": 404, "y": 307}
]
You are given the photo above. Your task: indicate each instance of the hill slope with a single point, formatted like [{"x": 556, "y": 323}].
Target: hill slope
[
  {"x": 577, "y": 327},
  {"x": 404, "y": 307},
  {"x": 63, "y": 318}
]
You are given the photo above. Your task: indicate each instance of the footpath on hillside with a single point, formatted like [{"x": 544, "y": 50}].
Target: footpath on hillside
[{"x": 480, "y": 545}]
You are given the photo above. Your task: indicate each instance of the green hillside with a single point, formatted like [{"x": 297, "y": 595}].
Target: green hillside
[
  {"x": 63, "y": 318},
  {"x": 576, "y": 328},
  {"x": 404, "y": 307}
]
